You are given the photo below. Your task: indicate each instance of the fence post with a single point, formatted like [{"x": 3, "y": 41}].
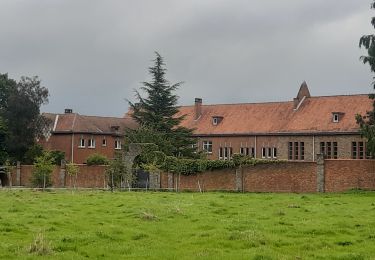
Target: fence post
[
  {"x": 239, "y": 179},
  {"x": 320, "y": 180},
  {"x": 62, "y": 173},
  {"x": 170, "y": 181},
  {"x": 18, "y": 174}
]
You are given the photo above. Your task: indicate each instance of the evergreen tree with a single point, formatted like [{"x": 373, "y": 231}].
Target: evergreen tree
[
  {"x": 156, "y": 113},
  {"x": 367, "y": 122}
]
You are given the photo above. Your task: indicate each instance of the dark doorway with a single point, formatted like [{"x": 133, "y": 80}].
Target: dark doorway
[
  {"x": 4, "y": 181},
  {"x": 141, "y": 180}
]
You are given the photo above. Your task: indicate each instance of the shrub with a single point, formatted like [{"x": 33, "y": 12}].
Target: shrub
[{"x": 97, "y": 159}]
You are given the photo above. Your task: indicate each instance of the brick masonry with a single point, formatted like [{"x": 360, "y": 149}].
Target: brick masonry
[{"x": 322, "y": 176}]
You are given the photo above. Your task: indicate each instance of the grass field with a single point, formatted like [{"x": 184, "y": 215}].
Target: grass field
[{"x": 100, "y": 224}]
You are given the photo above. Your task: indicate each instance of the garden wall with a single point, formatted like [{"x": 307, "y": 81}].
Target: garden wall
[{"x": 323, "y": 176}]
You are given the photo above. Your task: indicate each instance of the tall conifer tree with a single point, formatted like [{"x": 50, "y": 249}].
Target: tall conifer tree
[{"x": 157, "y": 113}]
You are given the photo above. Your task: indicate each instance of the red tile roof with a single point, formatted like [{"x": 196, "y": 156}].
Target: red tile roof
[
  {"x": 76, "y": 123},
  {"x": 314, "y": 115}
]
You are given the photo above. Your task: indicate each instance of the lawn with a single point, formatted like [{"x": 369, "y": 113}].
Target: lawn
[{"x": 166, "y": 225}]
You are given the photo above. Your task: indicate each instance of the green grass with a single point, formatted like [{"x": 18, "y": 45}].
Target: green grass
[{"x": 100, "y": 224}]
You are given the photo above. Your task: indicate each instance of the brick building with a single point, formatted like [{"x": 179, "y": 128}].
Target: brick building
[
  {"x": 292, "y": 130},
  {"x": 79, "y": 135}
]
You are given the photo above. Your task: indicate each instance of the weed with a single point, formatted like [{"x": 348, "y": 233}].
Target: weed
[{"x": 40, "y": 245}]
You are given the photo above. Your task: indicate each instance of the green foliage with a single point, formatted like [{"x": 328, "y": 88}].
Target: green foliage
[
  {"x": 72, "y": 171},
  {"x": 97, "y": 159},
  {"x": 151, "y": 160},
  {"x": 34, "y": 152},
  {"x": 119, "y": 174},
  {"x": 366, "y": 122},
  {"x": 156, "y": 114},
  {"x": 20, "y": 110},
  {"x": 57, "y": 156},
  {"x": 43, "y": 168},
  {"x": 3, "y": 134}
]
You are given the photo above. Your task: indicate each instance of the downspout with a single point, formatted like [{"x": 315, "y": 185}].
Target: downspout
[
  {"x": 72, "y": 147},
  {"x": 255, "y": 148},
  {"x": 313, "y": 149}
]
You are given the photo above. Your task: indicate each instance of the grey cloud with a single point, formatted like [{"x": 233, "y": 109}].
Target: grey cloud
[{"x": 92, "y": 54}]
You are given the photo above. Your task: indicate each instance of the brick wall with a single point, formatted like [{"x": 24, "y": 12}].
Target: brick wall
[
  {"x": 341, "y": 175},
  {"x": 283, "y": 177}
]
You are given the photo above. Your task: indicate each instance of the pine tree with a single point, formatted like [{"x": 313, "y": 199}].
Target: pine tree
[
  {"x": 367, "y": 122},
  {"x": 156, "y": 112}
]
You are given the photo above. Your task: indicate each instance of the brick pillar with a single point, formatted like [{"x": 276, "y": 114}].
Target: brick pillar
[
  {"x": 18, "y": 174},
  {"x": 154, "y": 180},
  {"x": 239, "y": 179},
  {"x": 320, "y": 173},
  {"x": 170, "y": 181},
  {"x": 62, "y": 174}
]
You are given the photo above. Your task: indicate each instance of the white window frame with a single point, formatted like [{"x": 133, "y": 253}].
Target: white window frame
[
  {"x": 263, "y": 152},
  {"x": 274, "y": 152},
  {"x": 215, "y": 120},
  {"x": 207, "y": 146},
  {"x": 104, "y": 141},
  {"x": 91, "y": 143},
  {"x": 243, "y": 151},
  {"x": 82, "y": 143},
  {"x": 269, "y": 152},
  {"x": 117, "y": 145},
  {"x": 221, "y": 153},
  {"x": 335, "y": 118}
]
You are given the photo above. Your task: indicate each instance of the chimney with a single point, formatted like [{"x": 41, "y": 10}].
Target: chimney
[
  {"x": 68, "y": 110},
  {"x": 197, "y": 108}
]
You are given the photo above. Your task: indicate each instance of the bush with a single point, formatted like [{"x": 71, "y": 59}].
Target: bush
[
  {"x": 57, "y": 157},
  {"x": 97, "y": 159}
]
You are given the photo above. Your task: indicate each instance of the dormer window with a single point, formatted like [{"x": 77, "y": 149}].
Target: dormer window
[
  {"x": 336, "y": 116},
  {"x": 216, "y": 120}
]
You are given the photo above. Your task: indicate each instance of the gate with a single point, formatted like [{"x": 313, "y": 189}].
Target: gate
[{"x": 142, "y": 180}]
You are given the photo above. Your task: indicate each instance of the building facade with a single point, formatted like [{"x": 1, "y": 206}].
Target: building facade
[
  {"x": 292, "y": 130},
  {"x": 79, "y": 136}
]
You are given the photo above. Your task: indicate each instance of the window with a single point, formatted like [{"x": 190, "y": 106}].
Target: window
[
  {"x": 334, "y": 150},
  {"x": 104, "y": 142},
  {"x": 244, "y": 151},
  {"x": 214, "y": 120},
  {"x": 361, "y": 150},
  {"x": 290, "y": 151},
  {"x": 335, "y": 117},
  {"x": 295, "y": 150},
  {"x": 269, "y": 155},
  {"x": 117, "y": 144},
  {"x": 221, "y": 153},
  {"x": 322, "y": 148},
  {"x": 354, "y": 150},
  {"x": 274, "y": 152},
  {"x": 263, "y": 152},
  {"x": 91, "y": 143},
  {"x": 81, "y": 143},
  {"x": 207, "y": 146},
  {"x": 252, "y": 152},
  {"x": 329, "y": 150},
  {"x": 302, "y": 150}
]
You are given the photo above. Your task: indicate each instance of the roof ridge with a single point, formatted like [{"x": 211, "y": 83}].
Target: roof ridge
[{"x": 273, "y": 102}]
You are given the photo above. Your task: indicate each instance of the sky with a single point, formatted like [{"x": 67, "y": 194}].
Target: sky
[{"x": 93, "y": 54}]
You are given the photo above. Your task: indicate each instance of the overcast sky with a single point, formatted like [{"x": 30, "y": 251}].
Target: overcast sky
[{"x": 91, "y": 55}]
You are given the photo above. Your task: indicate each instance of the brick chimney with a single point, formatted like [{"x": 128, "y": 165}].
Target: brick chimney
[{"x": 197, "y": 108}]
